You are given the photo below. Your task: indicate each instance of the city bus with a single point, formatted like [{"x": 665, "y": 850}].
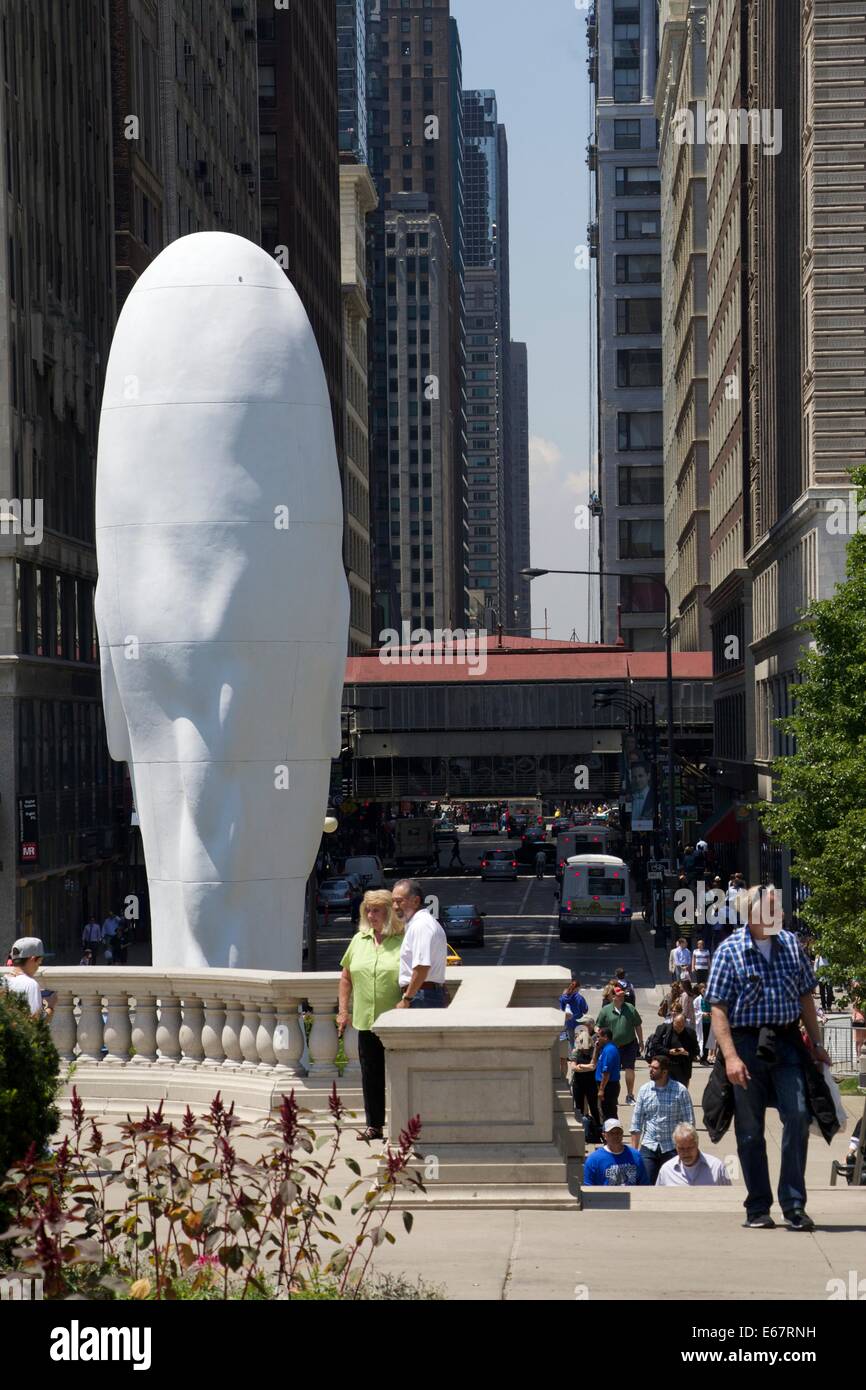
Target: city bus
[{"x": 595, "y": 893}]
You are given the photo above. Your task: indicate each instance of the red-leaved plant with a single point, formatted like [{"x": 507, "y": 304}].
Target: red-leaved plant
[{"x": 170, "y": 1211}]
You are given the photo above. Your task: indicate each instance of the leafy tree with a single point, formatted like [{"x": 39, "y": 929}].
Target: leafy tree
[{"x": 820, "y": 790}]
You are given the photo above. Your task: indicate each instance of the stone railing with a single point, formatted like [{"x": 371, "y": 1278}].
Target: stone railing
[
  {"x": 483, "y": 1074},
  {"x": 144, "y": 1035}
]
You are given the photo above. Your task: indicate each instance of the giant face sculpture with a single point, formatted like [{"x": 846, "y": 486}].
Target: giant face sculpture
[{"x": 222, "y": 605}]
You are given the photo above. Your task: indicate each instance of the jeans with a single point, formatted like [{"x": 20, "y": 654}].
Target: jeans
[
  {"x": 653, "y": 1160},
  {"x": 371, "y": 1055},
  {"x": 609, "y": 1101},
  {"x": 783, "y": 1085},
  {"x": 435, "y": 998},
  {"x": 584, "y": 1088}
]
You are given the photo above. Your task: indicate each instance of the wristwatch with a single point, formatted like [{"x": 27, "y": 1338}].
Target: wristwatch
[{"x": 407, "y": 998}]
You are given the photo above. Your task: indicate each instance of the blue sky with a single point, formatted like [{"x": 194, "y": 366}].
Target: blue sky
[{"x": 534, "y": 56}]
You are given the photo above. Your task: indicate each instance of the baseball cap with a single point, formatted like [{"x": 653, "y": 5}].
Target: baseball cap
[
  {"x": 26, "y": 947},
  {"x": 612, "y": 1124}
]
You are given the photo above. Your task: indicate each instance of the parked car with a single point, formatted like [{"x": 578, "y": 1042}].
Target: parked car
[
  {"x": 463, "y": 923},
  {"x": 499, "y": 863},
  {"x": 444, "y": 830},
  {"x": 335, "y": 894}
]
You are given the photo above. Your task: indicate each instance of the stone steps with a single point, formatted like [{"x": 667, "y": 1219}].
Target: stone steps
[{"x": 836, "y": 1202}]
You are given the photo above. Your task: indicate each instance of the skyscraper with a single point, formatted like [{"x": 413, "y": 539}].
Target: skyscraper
[
  {"x": 681, "y": 92},
  {"x": 487, "y": 274},
  {"x": 627, "y": 244},
  {"x": 352, "y": 79},
  {"x": 415, "y": 141},
  {"x": 357, "y": 199},
  {"x": 63, "y": 813},
  {"x": 517, "y": 489},
  {"x": 185, "y": 126},
  {"x": 299, "y": 170},
  {"x": 806, "y": 352},
  {"x": 730, "y": 600}
]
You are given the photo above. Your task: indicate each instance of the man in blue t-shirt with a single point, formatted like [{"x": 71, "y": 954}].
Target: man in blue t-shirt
[
  {"x": 615, "y": 1165},
  {"x": 607, "y": 1073}
]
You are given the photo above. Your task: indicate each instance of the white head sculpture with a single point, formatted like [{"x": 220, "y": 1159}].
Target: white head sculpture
[{"x": 222, "y": 605}]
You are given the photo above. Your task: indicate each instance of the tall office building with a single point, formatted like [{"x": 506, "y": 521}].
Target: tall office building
[
  {"x": 729, "y": 600},
  {"x": 681, "y": 91},
  {"x": 63, "y": 813},
  {"x": 299, "y": 170},
  {"x": 357, "y": 200},
  {"x": 626, "y": 241},
  {"x": 805, "y": 342},
  {"x": 487, "y": 274},
  {"x": 517, "y": 488},
  {"x": 352, "y": 79},
  {"x": 185, "y": 125},
  {"x": 415, "y": 141}
]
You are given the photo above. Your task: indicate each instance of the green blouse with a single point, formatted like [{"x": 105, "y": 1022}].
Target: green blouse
[{"x": 374, "y": 971}]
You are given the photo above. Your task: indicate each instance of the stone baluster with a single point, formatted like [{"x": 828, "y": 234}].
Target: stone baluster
[
  {"x": 168, "y": 1030},
  {"x": 323, "y": 1040},
  {"x": 352, "y": 1069},
  {"x": 265, "y": 1038},
  {"x": 247, "y": 1037},
  {"x": 90, "y": 1029},
  {"x": 212, "y": 1033},
  {"x": 231, "y": 1035},
  {"x": 144, "y": 1030},
  {"x": 289, "y": 1040},
  {"x": 64, "y": 1030},
  {"x": 190, "y": 1033},
  {"x": 118, "y": 1031}
]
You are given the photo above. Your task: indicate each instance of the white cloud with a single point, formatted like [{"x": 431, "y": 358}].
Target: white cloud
[
  {"x": 578, "y": 483},
  {"x": 544, "y": 457}
]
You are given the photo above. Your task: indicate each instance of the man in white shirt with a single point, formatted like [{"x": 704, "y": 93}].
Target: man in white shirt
[
  {"x": 691, "y": 1168},
  {"x": 425, "y": 950},
  {"x": 92, "y": 934},
  {"x": 26, "y": 956}
]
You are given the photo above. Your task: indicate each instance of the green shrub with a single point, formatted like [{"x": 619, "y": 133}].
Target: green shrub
[{"x": 29, "y": 1071}]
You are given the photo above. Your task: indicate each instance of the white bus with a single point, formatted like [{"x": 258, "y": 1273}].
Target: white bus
[{"x": 595, "y": 892}]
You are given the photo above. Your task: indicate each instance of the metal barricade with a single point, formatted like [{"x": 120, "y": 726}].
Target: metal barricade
[{"x": 838, "y": 1040}]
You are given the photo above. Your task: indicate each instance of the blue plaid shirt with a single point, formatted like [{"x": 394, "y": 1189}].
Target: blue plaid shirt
[
  {"x": 658, "y": 1111},
  {"x": 756, "y": 991}
]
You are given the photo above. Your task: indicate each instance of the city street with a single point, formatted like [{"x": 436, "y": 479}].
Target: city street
[{"x": 520, "y": 927}]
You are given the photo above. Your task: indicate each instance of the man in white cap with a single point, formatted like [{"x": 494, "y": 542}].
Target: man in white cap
[
  {"x": 27, "y": 955},
  {"x": 615, "y": 1164}
]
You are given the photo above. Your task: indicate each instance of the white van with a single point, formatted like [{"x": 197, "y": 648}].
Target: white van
[
  {"x": 595, "y": 892},
  {"x": 583, "y": 839},
  {"x": 369, "y": 869}
]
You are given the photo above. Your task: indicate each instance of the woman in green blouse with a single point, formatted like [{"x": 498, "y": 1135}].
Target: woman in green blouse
[{"x": 370, "y": 970}]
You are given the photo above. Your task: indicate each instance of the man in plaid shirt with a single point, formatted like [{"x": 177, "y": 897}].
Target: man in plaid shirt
[
  {"x": 662, "y": 1104},
  {"x": 760, "y": 987}
]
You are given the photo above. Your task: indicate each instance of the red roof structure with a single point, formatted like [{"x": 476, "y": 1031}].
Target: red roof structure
[{"x": 520, "y": 659}]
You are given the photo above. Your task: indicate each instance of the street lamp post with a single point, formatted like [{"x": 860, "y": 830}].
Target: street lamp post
[{"x": 601, "y": 574}]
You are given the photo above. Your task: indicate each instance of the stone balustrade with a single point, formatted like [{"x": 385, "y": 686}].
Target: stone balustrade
[
  {"x": 140, "y": 1034},
  {"x": 483, "y": 1074}
]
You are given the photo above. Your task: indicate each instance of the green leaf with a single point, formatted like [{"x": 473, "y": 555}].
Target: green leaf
[
  {"x": 334, "y": 1203},
  {"x": 352, "y": 1164},
  {"x": 408, "y": 1220}
]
